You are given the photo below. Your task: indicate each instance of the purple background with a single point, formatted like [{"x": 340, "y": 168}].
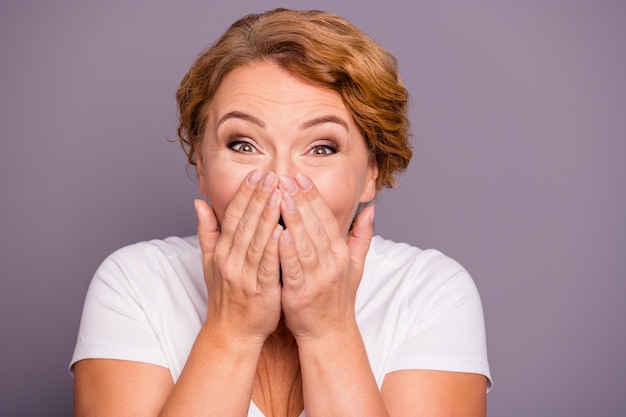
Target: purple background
[{"x": 519, "y": 113}]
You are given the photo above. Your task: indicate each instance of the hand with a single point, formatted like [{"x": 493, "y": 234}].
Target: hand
[
  {"x": 321, "y": 268},
  {"x": 240, "y": 260}
]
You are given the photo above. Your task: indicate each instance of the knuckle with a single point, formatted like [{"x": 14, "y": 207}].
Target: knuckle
[
  {"x": 307, "y": 251},
  {"x": 229, "y": 219},
  {"x": 266, "y": 270},
  {"x": 293, "y": 274},
  {"x": 327, "y": 218},
  {"x": 335, "y": 271},
  {"x": 318, "y": 233},
  {"x": 245, "y": 225},
  {"x": 227, "y": 270},
  {"x": 219, "y": 257},
  {"x": 256, "y": 247}
]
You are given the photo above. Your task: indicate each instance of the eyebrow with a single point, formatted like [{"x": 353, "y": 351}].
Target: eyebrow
[
  {"x": 242, "y": 116},
  {"x": 324, "y": 119},
  {"x": 308, "y": 124}
]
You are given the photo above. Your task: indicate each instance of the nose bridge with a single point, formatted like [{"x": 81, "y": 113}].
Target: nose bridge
[{"x": 282, "y": 162}]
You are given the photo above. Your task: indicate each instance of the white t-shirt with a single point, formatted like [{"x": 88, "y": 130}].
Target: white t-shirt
[{"x": 416, "y": 309}]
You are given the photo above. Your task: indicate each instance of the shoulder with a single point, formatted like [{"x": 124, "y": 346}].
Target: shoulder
[
  {"x": 150, "y": 255},
  {"x": 420, "y": 275},
  {"x": 431, "y": 302},
  {"x": 397, "y": 257},
  {"x": 143, "y": 264},
  {"x": 170, "y": 247}
]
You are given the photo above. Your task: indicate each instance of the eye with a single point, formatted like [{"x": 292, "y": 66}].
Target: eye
[
  {"x": 242, "y": 146},
  {"x": 321, "y": 150}
]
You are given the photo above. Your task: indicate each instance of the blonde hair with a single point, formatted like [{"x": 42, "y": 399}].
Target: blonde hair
[{"x": 323, "y": 49}]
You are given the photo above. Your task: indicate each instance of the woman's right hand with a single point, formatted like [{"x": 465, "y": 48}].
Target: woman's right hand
[{"x": 240, "y": 260}]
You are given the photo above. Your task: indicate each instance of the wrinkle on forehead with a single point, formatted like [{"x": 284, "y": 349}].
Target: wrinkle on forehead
[{"x": 284, "y": 94}]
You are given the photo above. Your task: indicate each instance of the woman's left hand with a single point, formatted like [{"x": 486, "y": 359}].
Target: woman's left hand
[{"x": 321, "y": 267}]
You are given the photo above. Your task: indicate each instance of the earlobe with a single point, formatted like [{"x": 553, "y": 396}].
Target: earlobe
[{"x": 200, "y": 172}]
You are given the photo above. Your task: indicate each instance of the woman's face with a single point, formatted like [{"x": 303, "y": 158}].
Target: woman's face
[{"x": 262, "y": 117}]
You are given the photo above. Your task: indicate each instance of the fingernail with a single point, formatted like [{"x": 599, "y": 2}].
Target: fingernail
[
  {"x": 268, "y": 181},
  {"x": 291, "y": 203},
  {"x": 276, "y": 233},
  {"x": 273, "y": 198},
  {"x": 288, "y": 184},
  {"x": 254, "y": 177},
  {"x": 287, "y": 237},
  {"x": 303, "y": 181}
]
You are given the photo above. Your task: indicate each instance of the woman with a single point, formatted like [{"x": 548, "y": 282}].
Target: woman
[{"x": 284, "y": 301}]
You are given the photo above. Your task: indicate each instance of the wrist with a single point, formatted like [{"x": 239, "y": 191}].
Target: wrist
[
  {"x": 226, "y": 339},
  {"x": 334, "y": 339}
]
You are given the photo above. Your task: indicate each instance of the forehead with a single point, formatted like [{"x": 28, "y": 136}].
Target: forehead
[{"x": 264, "y": 87}]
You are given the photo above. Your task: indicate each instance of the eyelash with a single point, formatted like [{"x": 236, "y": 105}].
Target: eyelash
[
  {"x": 326, "y": 149},
  {"x": 236, "y": 145}
]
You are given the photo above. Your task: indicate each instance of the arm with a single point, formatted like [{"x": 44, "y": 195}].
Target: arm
[
  {"x": 337, "y": 380},
  {"x": 318, "y": 300},
  {"x": 243, "y": 306},
  {"x": 434, "y": 393},
  {"x": 105, "y": 387},
  {"x": 243, "y": 309},
  {"x": 321, "y": 274},
  {"x": 217, "y": 378},
  {"x": 109, "y": 387},
  {"x": 216, "y": 381}
]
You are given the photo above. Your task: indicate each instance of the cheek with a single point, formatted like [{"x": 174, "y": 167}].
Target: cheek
[
  {"x": 221, "y": 188},
  {"x": 339, "y": 191}
]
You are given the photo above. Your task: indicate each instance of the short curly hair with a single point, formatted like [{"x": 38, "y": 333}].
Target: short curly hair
[{"x": 323, "y": 49}]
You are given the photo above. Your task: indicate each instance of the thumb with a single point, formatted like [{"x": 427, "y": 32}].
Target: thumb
[
  {"x": 208, "y": 232},
  {"x": 361, "y": 236}
]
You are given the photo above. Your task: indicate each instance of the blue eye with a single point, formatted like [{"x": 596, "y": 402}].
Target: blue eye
[
  {"x": 323, "y": 150},
  {"x": 242, "y": 146}
]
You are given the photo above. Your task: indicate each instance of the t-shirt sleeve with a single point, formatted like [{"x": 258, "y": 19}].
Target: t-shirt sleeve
[
  {"x": 114, "y": 323},
  {"x": 448, "y": 332}
]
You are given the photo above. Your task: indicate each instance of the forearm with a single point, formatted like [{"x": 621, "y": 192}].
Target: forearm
[
  {"x": 337, "y": 379},
  {"x": 217, "y": 379}
]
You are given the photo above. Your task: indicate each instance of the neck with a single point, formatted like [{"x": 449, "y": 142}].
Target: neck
[
  {"x": 278, "y": 383},
  {"x": 281, "y": 334}
]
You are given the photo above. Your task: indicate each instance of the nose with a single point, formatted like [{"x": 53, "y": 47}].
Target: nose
[{"x": 283, "y": 164}]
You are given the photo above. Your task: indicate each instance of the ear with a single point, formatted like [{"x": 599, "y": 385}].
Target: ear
[
  {"x": 369, "y": 189},
  {"x": 200, "y": 171}
]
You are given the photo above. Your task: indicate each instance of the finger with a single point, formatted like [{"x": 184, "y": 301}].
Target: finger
[
  {"x": 257, "y": 223},
  {"x": 303, "y": 238},
  {"x": 317, "y": 204},
  {"x": 292, "y": 274},
  {"x": 361, "y": 236},
  {"x": 230, "y": 220},
  {"x": 208, "y": 232},
  {"x": 334, "y": 240},
  {"x": 269, "y": 266},
  {"x": 262, "y": 253}
]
